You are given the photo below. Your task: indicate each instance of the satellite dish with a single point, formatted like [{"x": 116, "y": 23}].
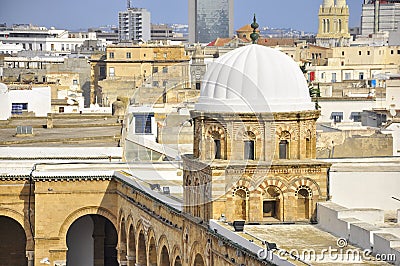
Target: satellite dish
[
  {"x": 392, "y": 112},
  {"x": 3, "y": 88}
]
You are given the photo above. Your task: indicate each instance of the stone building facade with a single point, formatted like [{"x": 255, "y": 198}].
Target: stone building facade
[
  {"x": 256, "y": 165},
  {"x": 333, "y": 26}
]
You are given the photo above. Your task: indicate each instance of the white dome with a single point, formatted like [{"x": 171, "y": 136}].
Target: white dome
[{"x": 254, "y": 78}]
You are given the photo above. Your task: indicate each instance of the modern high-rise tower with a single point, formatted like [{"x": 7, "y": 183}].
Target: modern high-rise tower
[
  {"x": 134, "y": 25},
  {"x": 379, "y": 16},
  {"x": 210, "y": 19}
]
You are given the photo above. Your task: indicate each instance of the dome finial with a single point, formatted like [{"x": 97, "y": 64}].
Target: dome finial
[{"x": 254, "y": 35}]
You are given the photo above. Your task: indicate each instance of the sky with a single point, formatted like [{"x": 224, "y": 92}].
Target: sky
[{"x": 82, "y": 14}]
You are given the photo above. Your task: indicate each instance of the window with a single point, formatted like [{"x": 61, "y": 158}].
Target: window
[
  {"x": 155, "y": 55},
  {"x": 359, "y": 52},
  {"x": 51, "y": 45},
  {"x": 111, "y": 55},
  {"x": 356, "y": 116},
  {"x": 342, "y": 53},
  {"x": 143, "y": 124},
  {"x": 368, "y": 52},
  {"x": 155, "y": 83},
  {"x": 102, "y": 71},
  {"x": 111, "y": 72},
  {"x": 337, "y": 117},
  {"x": 308, "y": 148},
  {"x": 361, "y": 76},
  {"x": 18, "y": 108},
  {"x": 322, "y": 75},
  {"x": 398, "y": 51},
  {"x": 61, "y": 109},
  {"x": 347, "y": 76},
  {"x": 30, "y": 46},
  {"x": 128, "y": 55},
  {"x": 333, "y": 77},
  {"x": 164, "y": 83},
  {"x": 165, "y": 70},
  {"x": 391, "y": 52},
  {"x": 165, "y": 55},
  {"x": 198, "y": 85},
  {"x": 62, "y": 47},
  {"x": 155, "y": 70},
  {"x": 75, "y": 82},
  {"x": 283, "y": 149},
  {"x": 217, "y": 146},
  {"x": 249, "y": 149}
]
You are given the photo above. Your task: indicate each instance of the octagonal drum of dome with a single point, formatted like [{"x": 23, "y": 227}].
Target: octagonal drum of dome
[{"x": 254, "y": 79}]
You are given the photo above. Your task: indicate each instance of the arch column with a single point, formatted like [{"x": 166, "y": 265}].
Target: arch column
[{"x": 30, "y": 255}]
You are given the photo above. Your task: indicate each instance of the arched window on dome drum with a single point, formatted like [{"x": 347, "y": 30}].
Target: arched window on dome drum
[
  {"x": 249, "y": 149},
  {"x": 217, "y": 148},
  {"x": 249, "y": 140},
  {"x": 284, "y": 145},
  {"x": 283, "y": 149},
  {"x": 308, "y": 147}
]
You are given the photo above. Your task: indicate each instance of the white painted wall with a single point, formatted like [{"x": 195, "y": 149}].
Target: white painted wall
[
  {"x": 394, "y": 130},
  {"x": 373, "y": 189},
  {"x": 5, "y": 106},
  {"x": 38, "y": 99},
  {"x": 347, "y": 107}
]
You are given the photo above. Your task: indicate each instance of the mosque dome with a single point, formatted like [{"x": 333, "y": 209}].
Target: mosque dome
[{"x": 251, "y": 79}]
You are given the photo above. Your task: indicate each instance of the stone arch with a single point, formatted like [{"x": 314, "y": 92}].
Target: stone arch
[
  {"x": 216, "y": 142},
  {"x": 244, "y": 188},
  {"x": 272, "y": 198},
  {"x": 279, "y": 183},
  {"x": 122, "y": 240},
  {"x": 131, "y": 241},
  {"x": 13, "y": 245},
  {"x": 252, "y": 145},
  {"x": 309, "y": 191},
  {"x": 216, "y": 129},
  {"x": 141, "y": 247},
  {"x": 82, "y": 212},
  {"x": 152, "y": 248},
  {"x": 308, "y": 182},
  {"x": 243, "y": 131},
  {"x": 239, "y": 203},
  {"x": 196, "y": 250},
  {"x": 164, "y": 253},
  {"x": 245, "y": 182},
  {"x": 19, "y": 217},
  {"x": 176, "y": 256}
]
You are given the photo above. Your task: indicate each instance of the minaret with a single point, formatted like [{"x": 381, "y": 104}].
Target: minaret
[
  {"x": 341, "y": 3},
  {"x": 333, "y": 28},
  {"x": 328, "y": 3}
]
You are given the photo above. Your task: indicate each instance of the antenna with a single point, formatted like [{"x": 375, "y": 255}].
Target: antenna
[{"x": 128, "y": 4}]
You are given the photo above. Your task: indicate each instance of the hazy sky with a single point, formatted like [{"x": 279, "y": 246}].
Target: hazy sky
[{"x": 81, "y": 14}]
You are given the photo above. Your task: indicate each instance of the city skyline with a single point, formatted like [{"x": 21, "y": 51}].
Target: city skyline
[{"x": 299, "y": 15}]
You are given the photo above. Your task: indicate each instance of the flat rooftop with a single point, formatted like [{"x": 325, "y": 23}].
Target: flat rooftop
[
  {"x": 306, "y": 244},
  {"x": 72, "y": 130}
]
